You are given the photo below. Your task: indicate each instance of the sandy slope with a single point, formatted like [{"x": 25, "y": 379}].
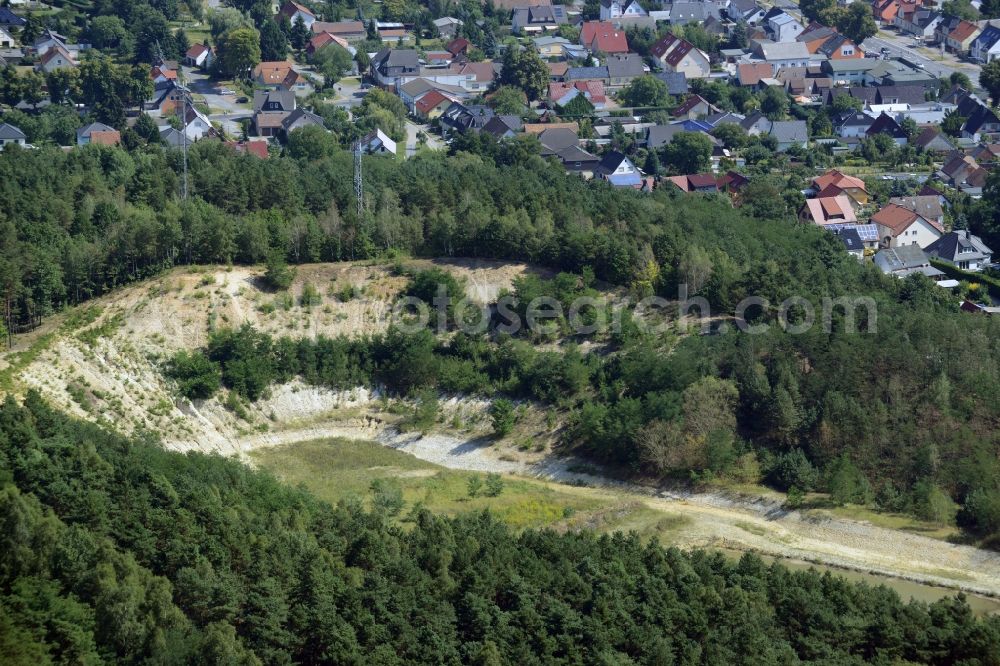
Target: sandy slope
[{"x": 115, "y": 378}]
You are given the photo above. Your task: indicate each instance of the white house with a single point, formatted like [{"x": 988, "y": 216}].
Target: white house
[
  {"x": 962, "y": 249},
  {"x": 197, "y": 125},
  {"x": 678, "y": 55},
  {"x": 7, "y": 40},
  {"x": 200, "y": 56},
  {"x": 986, "y": 46},
  {"x": 899, "y": 226},
  {"x": 10, "y": 134},
  {"x": 293, "y": 11},
  {"x": 784, "y": 28},
  {"x": 378, "y": 143},
  {"x": 611, "y": 9},
  {"x": 783, "y": 54}
]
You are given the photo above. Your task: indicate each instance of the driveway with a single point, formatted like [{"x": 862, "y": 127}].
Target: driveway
[{"x": 412, "y": 129}]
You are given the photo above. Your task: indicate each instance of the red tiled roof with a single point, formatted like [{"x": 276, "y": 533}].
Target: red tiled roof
[
  {"x": 196, "y": 50},
  {"x": 750, "y": 74},
  {"x": 458, "y": 46},
  {"x": 603, "y": 36},
  {"x": 841, "y": 180},
  {"x": 105, "y": 138},
  {"x": 895, "y": 218},
  {"x": 689, "y": 104},
  {"x": 289, "y": 9},
  {"x": 256, "y": 148},
  {"x": 963, "y": 31},
  {"x": 430, "y": 100}
]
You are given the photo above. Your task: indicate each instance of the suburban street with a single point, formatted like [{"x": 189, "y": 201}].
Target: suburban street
[{"x": 903, "y": 45}]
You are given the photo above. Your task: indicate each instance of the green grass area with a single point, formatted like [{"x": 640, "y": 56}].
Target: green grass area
[
  {"x": 336, "y": 469},
  {"x": 896, "y": 521}
]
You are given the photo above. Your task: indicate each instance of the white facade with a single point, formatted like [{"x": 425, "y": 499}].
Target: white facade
[
  {"x": 920, "y": 232},
  {"x": 619, "y": 8}
]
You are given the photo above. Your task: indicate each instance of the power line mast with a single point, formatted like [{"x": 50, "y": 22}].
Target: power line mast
[{"x": 359, "y": 189}]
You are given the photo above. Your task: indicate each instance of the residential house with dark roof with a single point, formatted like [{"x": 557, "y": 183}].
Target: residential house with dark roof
[
  {"x": 789, "y": 133},
  {"x": 828, "y": 42},
  {"x": 9, "y": 19},
  {"x": 933, "y": 140},
  {"x": 682, "y": 13},
  {"x": 905, "y": 260},
  {"x": 10, "y": 135},
  {"x": 747, "y": 11},
  {"x": 538, "y": 18},
  {"x": 300, "y": 118},
  {"x": 676, "y": 82},
  {"x": 901, "y": 226},
  {"x": 980, "y": 119},
  {"x": 853, "y": 125},
  {"x": 694, "y": 107},
  {"x": 678, "y": 55},
  {"x": 460, "y": 118},
  {"x": 962, "y": 249},
  {"x": 623, "y": 69},
  {"x": 619, "y": 170},
  {"x": 587, "y": 74},
  {"x": 887, "y": 125},
  {"x": 986, "y": 46},
  {"x": 389, "y": 66},
  {"x": 273, "y": 100},
  {"x": 927, "y": 206}
]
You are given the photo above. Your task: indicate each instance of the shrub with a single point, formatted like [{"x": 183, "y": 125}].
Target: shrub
[
  {"x": 198, "y": 378},
  {"x": 503, "y": 417},
  {"x": 278, "y": 275}
]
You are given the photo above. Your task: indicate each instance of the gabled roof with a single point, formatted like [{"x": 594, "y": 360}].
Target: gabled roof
[
  {"x": 927, "y": 206},
  {"x": 897, "y": 219},
  {"x": 603, "y": 36},
  {"x": 750, "y": 74},
  {"x": 790, "y": 131},
  {"x": 284, "y": 98},
  {"x": 886, "y": 124},
  {"x": 290, "y": 8},
  {"x": 7, "y": 17},
  {"x": 301, "y": 114},
  {"x": 582, "y": 73},
  {"x": 196, "y": 51},
  {"x": 625, "y": 65},
  {"x": 851, "y": 239},
  {"x": 10, "y": 133},
  {"x": 830, "y": 210},
  {"x": 430, "y": 101},
  {"x": 339, "y": 27},
  {"x": 900, "y": 95},
  {"x": 676, "y": 82},
  {"x": 458, "y": 46},
  {"x": 255, "y": 148},
  {"x": 691, "y": 102},
  {"x": 963, "y": 30},
  {"x": 904, "y": 259},
  {"x": 406, "y": 58},
  {"x": 558, "y": 139},
  {"x": 611, "y": 161},
  {"x": 838, "y": 179},
  {"x": 498, "y": 126},
  {"x": 959, "y": 246}
]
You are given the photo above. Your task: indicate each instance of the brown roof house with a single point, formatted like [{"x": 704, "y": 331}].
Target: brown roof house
[
  {"x": 678, "y": 55},
  {"x": 899, "y": 226},
  {"x": 828, "y": 210}
]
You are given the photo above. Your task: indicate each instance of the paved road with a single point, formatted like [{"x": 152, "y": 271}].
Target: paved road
[
  {"x": 412, "y": 129},
  {"x": 902, "y": 45}
]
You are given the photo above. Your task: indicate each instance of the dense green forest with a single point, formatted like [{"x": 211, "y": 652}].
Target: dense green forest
[
  {"x": 911, "y": 405},
  {"x": 114, "y": 550}
]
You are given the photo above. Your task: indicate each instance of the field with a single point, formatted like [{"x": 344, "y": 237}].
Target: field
[{"x": 337, "y": 469}]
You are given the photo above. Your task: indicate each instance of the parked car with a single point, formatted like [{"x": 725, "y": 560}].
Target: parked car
[{"x": 242, "y": 100}]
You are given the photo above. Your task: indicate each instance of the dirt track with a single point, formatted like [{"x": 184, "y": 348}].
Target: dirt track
[{"x": 720, "y": 520}]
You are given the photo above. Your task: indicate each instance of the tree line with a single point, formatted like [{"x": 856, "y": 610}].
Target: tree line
[{"x": 117, "y": 551}]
